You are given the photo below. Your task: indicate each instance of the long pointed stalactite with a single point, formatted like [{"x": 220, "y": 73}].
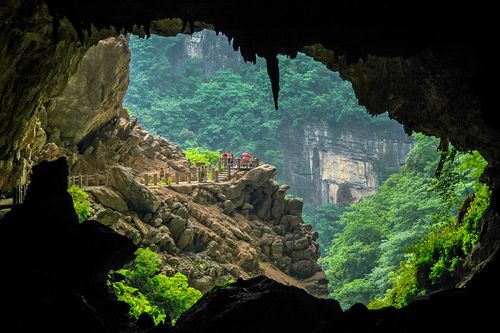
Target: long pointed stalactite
[{"x": 273, "y": 71}]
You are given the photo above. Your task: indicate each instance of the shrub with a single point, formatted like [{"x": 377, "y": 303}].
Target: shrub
[
  {"x": 201, "y": 155},
  {"x": 148, "y": 291},
  {"x": 80, "y": 202}
]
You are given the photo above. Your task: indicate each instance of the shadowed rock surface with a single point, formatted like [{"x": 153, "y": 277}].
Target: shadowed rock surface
[
  {"x": 263, "y": 305},
  {"x": 54, "y": 269}
]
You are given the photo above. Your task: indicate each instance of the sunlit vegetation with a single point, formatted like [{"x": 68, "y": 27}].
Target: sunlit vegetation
[
  {"x": 146, "y": 290},
  {"x": 405, "y": 240},
  {"x": 200, "y": 155},
  {"x": 80, "y": 202}
]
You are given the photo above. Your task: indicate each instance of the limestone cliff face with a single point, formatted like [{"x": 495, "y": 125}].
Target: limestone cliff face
[
  {"x": 340, "y": 164},
  {"x": 93, "y": 95}
]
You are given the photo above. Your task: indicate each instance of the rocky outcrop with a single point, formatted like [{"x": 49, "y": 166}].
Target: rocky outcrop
[
  {"x": 263, "y": 305},
  {"x": 215, "y": 232},
  {"x": 138, "y": 197},
  {"x": 92, "y": 96},
  {"x": 341, "y": 163}
]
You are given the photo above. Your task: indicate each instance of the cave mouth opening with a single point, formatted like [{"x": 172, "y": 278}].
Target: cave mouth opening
[
  {"x": 369, "y": 190},
  {"x": 427, "y": 73}
]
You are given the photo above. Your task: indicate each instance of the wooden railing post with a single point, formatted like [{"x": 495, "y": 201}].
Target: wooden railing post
[
  {"x": 238, "y": 163},
  {"x": 146, "y": 179},
  {"x": 215, "y": 175},
  {"x": 14, "y": 195},
  {"x": 229, "y": 173},
  {"x": 155, "y": 179},
  {"x": 188, "y": 176},
  {"x": 176, "y": 177}
]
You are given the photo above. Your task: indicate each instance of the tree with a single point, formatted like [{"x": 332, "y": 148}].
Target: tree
[
  {"x": 80, "y": 202},
  {"x": 146, "y": 290}
]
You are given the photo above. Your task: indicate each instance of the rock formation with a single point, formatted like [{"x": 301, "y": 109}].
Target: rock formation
[
  {"x": 342, "y": 164},
  {"x": 215, "y": 232}
]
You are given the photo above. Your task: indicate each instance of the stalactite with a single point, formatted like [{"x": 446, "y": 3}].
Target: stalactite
[{"x": 273, "y": 71}]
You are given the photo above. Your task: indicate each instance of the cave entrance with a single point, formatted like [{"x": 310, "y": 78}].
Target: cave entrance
[{"x": 368, "y": 189}]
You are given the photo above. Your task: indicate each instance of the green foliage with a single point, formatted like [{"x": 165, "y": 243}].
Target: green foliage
[
  {"x": 226, "y": 284},
  {"x": 220, "y": 102},
  {"x": 202, "y": 155},
  {"x": 405, "y": 238},
  {"x": 80, "y": 202},
  {"x": 432, "y": 260},
  {"x": 148, "y": 291},
  {"x": 324, "y": 220}
]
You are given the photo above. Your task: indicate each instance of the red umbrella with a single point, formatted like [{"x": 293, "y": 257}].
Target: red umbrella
[{"x": 245, "y": 155}]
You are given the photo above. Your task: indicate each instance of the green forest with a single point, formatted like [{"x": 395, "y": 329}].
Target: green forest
[{"x": 218, "y": 102}]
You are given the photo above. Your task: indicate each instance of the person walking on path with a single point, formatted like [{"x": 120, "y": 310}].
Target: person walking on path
[{"x": 162, "y": 174}]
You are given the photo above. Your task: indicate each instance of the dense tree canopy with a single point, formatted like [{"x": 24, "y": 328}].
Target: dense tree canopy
[{"x": 215, "y": 101}]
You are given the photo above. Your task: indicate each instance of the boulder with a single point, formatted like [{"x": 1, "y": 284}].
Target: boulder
[
  {"x": 279, "y": 204},
  {"x": 141, "y": 226},
  {"x": 109, "y": 198},
  {"x": 301, "y": 244},
  {"x": 108, "y": 217},
  {"x": 259, "y": 175},
  {"x": 182, "y": 212},
  {"x": 177, "y": 225},
  {"x": 183, "y": 188},
  {"x": 308, "y": 253},
  {"x": 290, "y": 222},
  {"x": 247, "y": 206},
  {"x": 185, "y": 241},
  {"x": 239, "y": 234},
  {"x": 156, "y": 222},
  {"x": 304, "y": 268},
  {"x": 233, "y": 191},
  {"x": 137, "y": 196},
  {"x": 229, "y": 207},
  {"x": 277, "y": 248},
  {"x": 167, "y": 244},
  {"x": 125, "y": 229},
  {"x": 294, "y": 207},
  {"x": 264, "y": 209},
  {"x": 247, "y": 260},
  {"x": 213, "y": 250}
]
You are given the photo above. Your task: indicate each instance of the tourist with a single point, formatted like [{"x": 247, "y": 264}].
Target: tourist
[
  {"x": 203, "y": 174},
  {"x": 224, "y": 157},
  {"x": 162, "y": 174}
]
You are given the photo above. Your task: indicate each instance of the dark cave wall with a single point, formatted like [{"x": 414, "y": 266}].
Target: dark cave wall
[
  {"x": 33, "y": 69},
  {"x": 434, "y": 91}
]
